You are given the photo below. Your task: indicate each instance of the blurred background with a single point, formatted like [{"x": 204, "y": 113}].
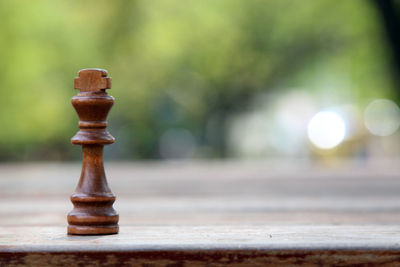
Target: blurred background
[{"x": 309, "y": 79}]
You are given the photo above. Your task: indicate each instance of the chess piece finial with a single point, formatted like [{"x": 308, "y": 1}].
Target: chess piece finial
[{"x": 93, "y": 213}]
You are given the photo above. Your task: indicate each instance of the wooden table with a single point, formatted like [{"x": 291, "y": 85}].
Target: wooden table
[{"x": 208, "y": 213}]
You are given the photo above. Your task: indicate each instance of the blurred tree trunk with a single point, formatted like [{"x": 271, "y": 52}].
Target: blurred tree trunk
[{"x": 389, "y": 11}]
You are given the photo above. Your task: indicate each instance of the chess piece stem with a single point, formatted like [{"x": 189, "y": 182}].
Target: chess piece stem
[{"x": 93, "y": 213}]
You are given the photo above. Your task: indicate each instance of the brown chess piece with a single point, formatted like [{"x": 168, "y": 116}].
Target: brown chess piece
[{"x": 93, "y": 213}]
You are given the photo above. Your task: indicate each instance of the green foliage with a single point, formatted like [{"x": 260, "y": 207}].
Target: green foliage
[{"x": 189, "y": 64}]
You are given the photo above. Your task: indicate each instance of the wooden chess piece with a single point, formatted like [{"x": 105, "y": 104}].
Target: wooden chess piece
[{"x": 93, "y": 213}]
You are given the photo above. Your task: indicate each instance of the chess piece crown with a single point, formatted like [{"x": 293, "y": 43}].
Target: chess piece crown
[{"x": 93, "y": 212}]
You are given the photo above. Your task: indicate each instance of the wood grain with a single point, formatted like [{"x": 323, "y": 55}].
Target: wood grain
[{"x": 215, "y": 213}]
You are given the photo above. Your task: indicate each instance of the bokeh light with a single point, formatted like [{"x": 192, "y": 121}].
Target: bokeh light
[
  {"x": 382, "y": 117},
  {"x": 326, "y": 129}
]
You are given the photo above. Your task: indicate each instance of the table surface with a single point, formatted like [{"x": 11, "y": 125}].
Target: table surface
[{"x": 219, "y": 212}]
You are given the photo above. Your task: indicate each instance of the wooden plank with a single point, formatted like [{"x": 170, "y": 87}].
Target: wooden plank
[
  {"x": 217, "y": 245},
  {"x": 221, "y": 237},
  {"x": 243, "y": 213}
]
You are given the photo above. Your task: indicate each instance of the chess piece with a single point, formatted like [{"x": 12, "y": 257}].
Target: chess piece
[{"x": 93, "y": 213}]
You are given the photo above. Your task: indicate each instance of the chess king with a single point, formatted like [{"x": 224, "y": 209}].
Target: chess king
[{"x": 93, "y": 213}]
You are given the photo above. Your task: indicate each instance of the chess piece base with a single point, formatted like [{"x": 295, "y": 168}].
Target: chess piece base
[
  {"x": 93, "y": 230},
  {"x": 92, "y": 215}
]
